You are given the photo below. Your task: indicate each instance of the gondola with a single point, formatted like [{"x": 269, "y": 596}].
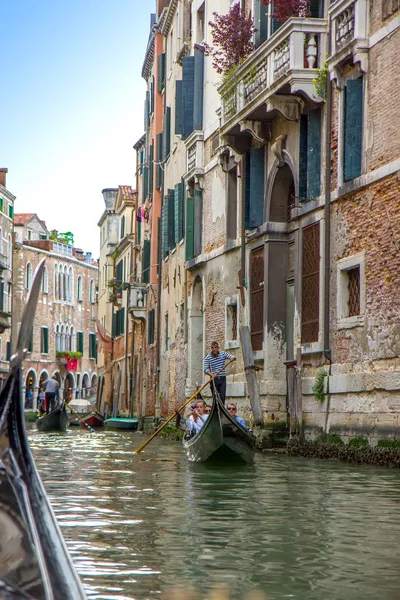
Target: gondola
[
  {"x": 56, "y": 420},
  {"x": 122, "y": 423},
  {"x": 34, "y": 561},
  {"x": 221, "y": 439}
]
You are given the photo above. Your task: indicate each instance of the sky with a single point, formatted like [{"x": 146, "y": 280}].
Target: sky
[{"x": 71, "y": 106}]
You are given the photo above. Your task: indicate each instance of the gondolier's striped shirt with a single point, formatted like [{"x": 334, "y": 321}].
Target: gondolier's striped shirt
[{"x": 215, "y": 363}]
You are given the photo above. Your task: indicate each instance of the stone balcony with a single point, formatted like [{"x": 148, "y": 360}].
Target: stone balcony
[
  {"x": 194, "y": 157},
  {"x": 269, "y": 80},
  {"x": 349, "y": 35},
  {"x": 137, "y": 300}
]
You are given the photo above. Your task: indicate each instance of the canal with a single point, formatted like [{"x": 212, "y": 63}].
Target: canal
[{"x": 295, "y": 528}]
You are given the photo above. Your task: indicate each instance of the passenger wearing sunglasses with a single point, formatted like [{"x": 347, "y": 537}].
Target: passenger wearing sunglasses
[{"x": 232, "y": 411}]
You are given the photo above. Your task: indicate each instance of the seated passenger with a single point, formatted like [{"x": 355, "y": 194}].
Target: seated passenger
[
  {"x": 207, "y": 410},
  {"x": 197, "y": 419},
  {"x": 232, "y": 410}
]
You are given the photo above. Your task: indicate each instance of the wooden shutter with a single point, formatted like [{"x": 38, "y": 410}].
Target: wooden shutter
[
  {"x": 30, "y": 345},
  {"x": 151, "y": 168},
  {"x": 314, "y": 154},
  {"x": 138, "y": 232},
  {"x": 178, "y": 108},
  {"x": 164, "y": 227},
  {"x": 146, "y": 262},
  {"x": 197, "y": 222},
  {"x": 79, "y": 341},
  {"x": 254, "y": 188},
  {"x": 303, "y": 158},
  {"x": 8, "y": 350},
  {"x": 198, "y": 89},
  {"x": 187, "y": 95},
  {"x": 146, "y": 111},
  {"x": 171, "y": 219},
  {"x": 161, "y": 72},
  {"x": 167, "y": 133},
  {"x": 159, "y": 154},
  {"x": 257, "y": 298},
  {"x": 261, "y": 22},
  {"x": 151, "y": 110},
  {"x": 353, "y": 114},
  {"x": 150, "y": 331},
  {"x": 310, "y": 284},
  {"x": 2, "y": 295},
  {"x": 119, "y": 273},
  {"x": 189, "y": 229},
  {"x": 145, "y": 183},
  {"x": 114, "y": 325},
  {"x": 44, "y": 340},
  {"x": 178, "y": 205}
]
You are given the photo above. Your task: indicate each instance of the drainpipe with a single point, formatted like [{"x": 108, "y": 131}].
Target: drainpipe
[{"x": 327, "y": 215}]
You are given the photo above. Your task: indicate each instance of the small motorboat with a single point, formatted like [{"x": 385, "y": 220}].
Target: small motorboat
[
  {"x": 34, "y": 560},
  {"x": 56, "y": 420},
  {"x": 94, "y": 419},
  {"x": 221, "y": 438},
  {"x": 122, "y": 423}
]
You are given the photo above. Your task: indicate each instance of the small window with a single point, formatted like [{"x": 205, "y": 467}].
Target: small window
[
  {"x": 44, "y": 340},
  {"x": 91, "y": 292},
  {"x": 28, "y": 280},
  {"x": 231, "y": 319},
  {"x": 45, "y": 281},
  {"x": 351, "y": 291},
  {"x": 79, "y": 289},
  {"x": 79, "y": 341}
]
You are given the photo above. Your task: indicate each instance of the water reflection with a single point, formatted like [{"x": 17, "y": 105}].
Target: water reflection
[{"x": 302, "y": 529}]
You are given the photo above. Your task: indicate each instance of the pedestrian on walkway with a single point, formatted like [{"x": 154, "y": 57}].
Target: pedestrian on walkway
[{"x": 213, "y": 362}]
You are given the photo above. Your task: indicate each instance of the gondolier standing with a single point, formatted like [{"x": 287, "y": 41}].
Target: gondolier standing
[
  {"x": 213, "y": 362},
  {"x": 50, "y": 388}
]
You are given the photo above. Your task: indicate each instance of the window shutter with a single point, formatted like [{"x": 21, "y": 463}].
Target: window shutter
[
  {"x": 11, "y": 211},
  {"x": 138, "y": 232},
  {"x": 189, "y": 233},
  {"x": 316, "y": 8},
  {"x": 150, "y": 332},
  {"x": 303, "y": 158},
  {"x": 146, "y": 262},
  {"x": 254, "y": 188},
  {"x": 114, "y": 325},
  {"x": 44, "y": 340},
  {"x": 79, "y": 341},
  {"x": 178, "y": 108},
  {"x": 310, "y": 284},
  {"x": 171, "y": 219},
  {"x": 119, "y": 273},
  {"x": 164, "y": 227},
  {"x": 151, "y": 110},
  {"x": 314, "y": 154},
  {"x": 146, "y": 111},
  {"x": 197, "y": 222},
  {"x": 2, "y": 295},
  {"x": 167, "y": 133},
  {"x": 187, "y": 95},
  {"x": 30, "y": 345},
  {"x": 178, "y": 205},
  {"x": 353, "y": 113},
  {"x": 151, "y": 168},
  {"x": 145, "y": 183},
  {"x": 198, "y": 89},
  {"x": 161, "y": 72},
  {"x": 261, "y": 22},
  {"x": 8, "y": 350},
  {"x": 159, "y": 170}
]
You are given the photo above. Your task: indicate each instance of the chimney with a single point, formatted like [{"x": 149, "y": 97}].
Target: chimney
[
  {"x": 110, "y": 197},
  {"x": 88, "y": 257},
  {"x": 3, "y": 175}
]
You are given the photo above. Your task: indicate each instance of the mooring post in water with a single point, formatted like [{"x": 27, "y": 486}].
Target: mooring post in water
[{"x": 251, "y": 377}]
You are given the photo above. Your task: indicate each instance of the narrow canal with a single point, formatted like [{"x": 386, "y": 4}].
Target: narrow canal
[{"x": 295, "y": 528}]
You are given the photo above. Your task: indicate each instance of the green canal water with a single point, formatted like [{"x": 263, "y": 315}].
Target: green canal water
[{"x": 294, "y": 528}]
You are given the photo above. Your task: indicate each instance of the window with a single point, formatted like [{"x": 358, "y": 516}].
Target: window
[
  {"x": 150, "y": 325},
  {"x": 146, "y": 261},
  {"x": 28, "y": 276},
  {"x": 118, "y": 322},
  {"x": 254, "y": 188},
  {"x": 231, "y": 205},
  {"x": 45, "y": 281},
  {"x": 122, "y": 231},
  {"x": 200, "y": 25},
  {"x": 79, "y": 289},
  {"x": 44, "y": 340},
  {"x": 91, "y": 292},
  {"x": 310, "y": 155},
  {"x": 8, "y": 350},
  {"x": 310, "y": 284},
  {"x": 92, "y": 346},
  {"x": 9, "y": 297},
  {"x": 79, "y": 341},
  {"x": 351, "y": 290},
  {"x": 194, "y": 220},
  {"x": 9, "y": 251},
  {"x": 2, "y": 297},
  {"x": 10, "y": 211},
  {"x": 352, "y": 128},
  {"x": 231, "y": 319},
  {"x": 56, "y": 288}
]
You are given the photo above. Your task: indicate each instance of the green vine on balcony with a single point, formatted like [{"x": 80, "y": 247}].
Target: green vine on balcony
[{"x": 320, "y": 82}]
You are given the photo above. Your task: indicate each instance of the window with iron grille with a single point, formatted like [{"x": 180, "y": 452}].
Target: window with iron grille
[
  {"x": 353, "y": 289},
  {"x": 310, "y": 284},
  {"x": 231, "y": 319}
]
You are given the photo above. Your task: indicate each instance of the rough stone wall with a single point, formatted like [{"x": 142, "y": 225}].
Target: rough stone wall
[
  {"x": 214, "y": 208},
  {"x": 334, "y": 137}
]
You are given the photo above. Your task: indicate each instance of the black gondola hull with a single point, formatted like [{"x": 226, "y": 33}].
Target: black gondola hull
[
  {"x": 57, "y": 420},
  {"x": 221, "y": 439}
]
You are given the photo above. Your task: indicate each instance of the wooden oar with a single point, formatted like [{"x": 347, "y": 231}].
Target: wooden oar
[
  {"x": 80, "y": 419},
  {"x": 138, "y": 451}
]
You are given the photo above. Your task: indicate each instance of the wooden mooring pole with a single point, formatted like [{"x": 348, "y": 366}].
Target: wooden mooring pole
[{"x": 251, "y": 377}]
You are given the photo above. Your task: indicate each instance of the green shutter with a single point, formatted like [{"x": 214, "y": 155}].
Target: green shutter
[
  {"x": 114, "y": 325},
  {"x": 171, "y": 219},
  {"x": 151, "y": 110},
  {"x": 8, "y": 350},
  {"x": 146, "y": 262},
  {"x": 261, "y": 22},
  {"x": 150, "y": 331},
  {"x": 187, "y": 95},
  {"x": 303, "y": 158},
  {"x": 145, "y": 183},
  {"x": 316, "y": 8},
  {"x": 119, "y": 273},
  {"x": 198, "y": 89},
  {"x": 314, "y": 154},
  {"x": 30, "y": 345},
  {"x": 151, "y": 168},
  {"x": 167, "y": 133},
  {"x": 353, "y": 114},
  {"x": 197, "y": 222},
  {"x": 178, "y": 210},
  {"x": 44, "y": 341},
  {"x": 138, "y": 232},
  {"x": 122, "y": 320},
  {"x": 164, "y": 227},
  {"x": 146, "y": 111},
  {"x": 11, "y": 211},
  {"x": 159, "y": 154},
  {"x": 79, "y": 341},
  {"x": 161, "y": 72},
  {"x": 254, "y": 188},
  {"x": 189, "y": 230},
  {"x": 2, "y": 295},
  {"x": 178, "y": 108}
]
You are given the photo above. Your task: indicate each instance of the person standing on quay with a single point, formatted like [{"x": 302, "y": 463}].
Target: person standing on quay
[{"x": 213, "y": 362}]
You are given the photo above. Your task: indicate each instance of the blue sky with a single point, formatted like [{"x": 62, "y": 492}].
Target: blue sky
[{"x": 71, "y": 105}]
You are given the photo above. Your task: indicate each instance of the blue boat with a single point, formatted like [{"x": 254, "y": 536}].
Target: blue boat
[{"x": 121, "y": 423}]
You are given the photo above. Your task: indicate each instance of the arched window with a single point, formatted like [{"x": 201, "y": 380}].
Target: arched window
[
  {"x": 73, "y": 340},
  {"x": 67, "y": 339},
  {"x": 28, "y": 281},
  {"x": 79, "y": 288},
  {"x": 58, "y": 338},
  {"x": 45, "y": 281},
  {"x": 56, "y": 283},
  {"x": 62, "y": 341},
  {"x": 91, "y": 291},
  {"x": 70, "y": 285}
]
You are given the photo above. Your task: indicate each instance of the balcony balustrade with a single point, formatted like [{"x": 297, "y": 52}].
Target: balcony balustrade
[
  {"x": 349, "y": 35},
  {"x": 283, "y": 65},
  {"x": 137, "y": 300},
  {"x": 194, "y": 155}
]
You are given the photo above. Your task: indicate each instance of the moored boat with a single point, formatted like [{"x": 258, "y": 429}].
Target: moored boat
[
  {"x": 121, "y": 423},
  {"x": 56, "y": 420},
  {"x": 93, "y": 419},
  {"x": 34, "y": 561},
  {"x": 221, "y": 438}
]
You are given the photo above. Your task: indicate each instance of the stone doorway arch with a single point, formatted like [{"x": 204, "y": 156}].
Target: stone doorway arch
[{"x": 30, "y": 390}]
